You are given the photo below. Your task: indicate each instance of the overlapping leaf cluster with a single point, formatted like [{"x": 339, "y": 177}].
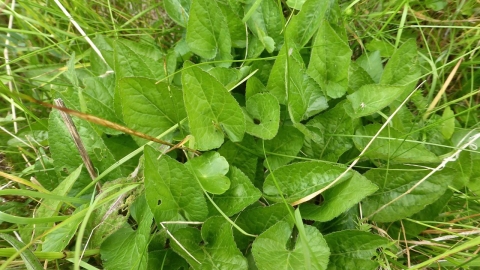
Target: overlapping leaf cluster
[{"x": 277, "y": 110}]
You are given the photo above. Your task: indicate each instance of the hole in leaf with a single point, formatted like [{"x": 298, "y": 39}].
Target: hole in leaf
[
  {"x": 159, "y": 202},
  {"x": 318, "y": 200},
  {"x": 256, "y": 121}
]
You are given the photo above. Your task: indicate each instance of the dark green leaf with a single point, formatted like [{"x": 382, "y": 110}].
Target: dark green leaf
[
  {"x": 283, "y": 148},
  {"x": 396, "y": 183},
  {"x": 171, "y": 190},
  {"x": 149, "y": 107},
  {"x": 339, "y": 199},
  {"x": 218, "y": 251},
  {"x": 300, "y": 179},
  {"x": 211, "y": 109},
  {"x": 240, "y": 157},
  {"x": 392, "y": 145},
  {"x": 270, "y": 249},
  {"x": 354, "y": 249}
]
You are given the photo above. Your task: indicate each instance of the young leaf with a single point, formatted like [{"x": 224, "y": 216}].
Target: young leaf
[
  {"x": 351, "y": 249},
  {"x": 283, "y": 148},
  {"x": 304, "y": 24},
  {"x": 207, "y": 31},
  {"x": 339, "y": 199},
  {"x": 171, "y": 190},
  {"x": 210, "y": 109},
  {"x": 371, "y": 98},
  {"x": 210, "y": 169},
  {"x": 396, "y": 183},
  {"x": 218, "y": 251},
  {"x": 392, "y": 145},
  {"x": 327, "y": 125},
  {"x": 270, "y": 251},
  {"x": 330, "y": 60},
  {"x": 178, "y": 10},
  {"x": 262, "y": 115},
  {"x": 266, "y": 21},
  {"x": 300, "y": 179},
  {"x": 149, "y": 107},
  {"x": 241, "y": 193},
  {"x": 126, "y": 248}
]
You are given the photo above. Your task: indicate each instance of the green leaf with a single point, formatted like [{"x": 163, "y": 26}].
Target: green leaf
[
  {"x": 65, "y": 154},
  {"x": 126, "y": 248},
  {"x": 166, "y": 258},
  {"x": 58, "y": 240},
  {"x": 300, "y": 179},
  {"x": 448, "y": 123},
  {"x": 228, "y": 77},
  {"x": 207, "y": 31},
  {"x": 339, "y": 199},
  {"x": 402, "y": 68},
  {"x": 392, "y": 145},
  {"x": 177, "y": 10},
  {"x": 266, "y": 21},
  {"x": 262, "y": 115},
  {"x": 149, "y": 107},
  {"x": 31, "y": 262},
  {"x": 235, "y": 26},
  {"x": 303, "y": 25},
  {"x": 218, "y": 251},
  {"x": 259, "y": 219},
  {"x": 327, "y": 125},
  {"x": 330, "y": 60},
  {"x": 357, "y": 77},
  {"x": 142, "y": 59},
  {"x": 277, "y": 83},
  {"x": 210, "y": 169},
  {"x": 270, "y": 249},
  {"x": 353, "y": 249},
  {"x": 372, "y": 64},
  {"x": 171, "y": 190},
  {"x": 398, "y": 181},
  {"x": 99, "y": 98},
  {"x": 241, "y": 193},
  {"x": 385, "y": 48},
  {"x": 371, "y": 98},
  {"x": 210, "y": 109},
  {"x": 50, "y": 207},
  {"x": 254, "y": 86},
  {"x": 295, "y": 4},
  {"x": 283, "y": 148},
  {"x": 239, "y": 157}
]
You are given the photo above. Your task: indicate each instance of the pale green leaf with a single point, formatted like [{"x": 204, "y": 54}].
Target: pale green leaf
[
  {"x": 295, "y": 4},
  {"x": 392, "y": 145},
  {"x": 270, "y": 249},
  {"x": 207, "y": 31},
  {"x": 448, "y": 123},
  {"x": 218, "y": 250},
  {"x": 385, "y": 48},
  {"x": 371, "y": 98},
  {"x": 262, "y": 116},
  {"x": 228, "y": 77},
  {"x": 339, "y": 199},
  {"x": 357, "y": 77},
  {"x": 210, "y": 169},
  {"x": 178, "y": 10},
  {"x": 149, "y": 107},
  {"x": 330, "y": 60},
  {"x": 241, "y": 193},
  {"x": 126, "y": 248},
  {"x": 59, "y": 239},
  {"x": 211, "y": 109},
  {"x": 300, "y": 179},
  {"x": 254, "y": 86},
  {"x": 372, "y": 64},
  {"x": 283, "y": 148},
  {"x": 266, "y": 20},
  {"x": 396, "y": 183},
  {"x": 235, "y": 26},
  {"x": 351, "y": 249},
  {"x": 171, "y": 190}
]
